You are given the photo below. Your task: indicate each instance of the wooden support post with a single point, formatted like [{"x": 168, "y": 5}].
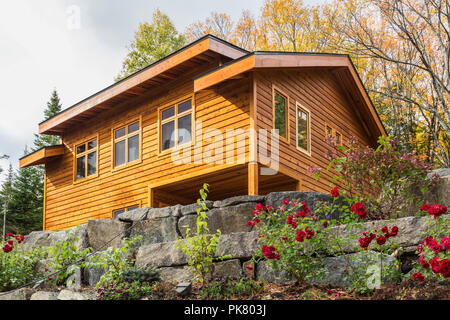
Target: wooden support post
[
  {"x": 298, "y": 187},
  {"x": 151, "y": 197},
  {"x": 253, "y": 179}
]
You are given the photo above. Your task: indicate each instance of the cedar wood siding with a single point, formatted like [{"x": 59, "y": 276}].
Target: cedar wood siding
[
  {"x": 68, "y": 204},
  {"x": 319, "y": 92}
]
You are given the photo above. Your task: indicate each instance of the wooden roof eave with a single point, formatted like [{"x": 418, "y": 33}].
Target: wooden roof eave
[
  {"x": 41, "y": 156},
  {"x": 207, "y": 43},
  {"x": 288, "y": 60}
]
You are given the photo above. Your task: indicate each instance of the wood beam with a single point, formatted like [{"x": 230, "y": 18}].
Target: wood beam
[{"x": 253, "y": 179}]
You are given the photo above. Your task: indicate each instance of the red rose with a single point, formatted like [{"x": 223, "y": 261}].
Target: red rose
[
  {"x": 289, "y": 220},
  {"x": 385, "y": 229},
  {"x": 286, "y": 201},
  {"x": 301, "y": 214},
  {"x": 249, "y": 267},
  {"x": 425, "y": 207},
  {"x": 418, "y": 276},
  {"x": 10, "y": 242},
  {"x": 335, "y": 192},
  {"x": 445, "y": 268},
  {"x": 445, "y": 242},
  {"x": 300, "y": 236},
  {"x": 381, "y": 240},
  {"x": 325, "y": 224},
  {"x": 309, "y": 233}
]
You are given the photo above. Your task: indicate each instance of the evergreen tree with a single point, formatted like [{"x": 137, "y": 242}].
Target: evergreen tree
[
  {"x": 5, "y": 200},
  {"x": 53, "y": 108}
]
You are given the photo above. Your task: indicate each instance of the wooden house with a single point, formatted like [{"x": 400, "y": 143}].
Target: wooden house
[{"x": 210, "y": 104}]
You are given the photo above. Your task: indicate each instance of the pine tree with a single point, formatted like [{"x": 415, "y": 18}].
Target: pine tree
[
  {"x": 5, "y": 200},
  {"x": 53, "y": 108}
]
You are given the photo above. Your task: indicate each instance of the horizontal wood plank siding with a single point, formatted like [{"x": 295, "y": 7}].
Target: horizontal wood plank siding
[
  {"x": 318, "y": 91},
  {"x": 68, "y": 204}
]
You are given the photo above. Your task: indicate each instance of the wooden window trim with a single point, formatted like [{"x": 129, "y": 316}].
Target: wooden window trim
[
  {"x": 333, "y": 133},
  {"x": 85, "y": 153},
  {"x": 308, "y": 112},
  {"x": 281, "y": 92},
  {"x": 125, "y": 138},
  {"x": 132, "y": 204},
  {"x": 174, "y": 118}
]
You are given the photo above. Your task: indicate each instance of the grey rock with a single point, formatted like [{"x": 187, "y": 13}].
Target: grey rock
[
  {"x": 164, "y": 254},
  {"x": 229, "y": 268},
  {"x": 39, "y": 272},
  {"x": 77, "y": 234},
  {"x": 155, "y": 229},
  {"x": 133, "y": 215},
  {"x": 241, "y": 245},
  {"x": 192, "y": 208},
  {"x": 442, "y": 172},
  {"x": 176, "y": 274},
  {"x": 73, "y": 282},
  {"x": 184, "y": 289},
  {"x": 20, "y": 294},
  {"x": 241, "y": 199},
  {"x": 338, "y": 268},
  {"x": 412, "y": 231},
  {"x": 36, "y": 239},
  {"x": 66, "y": 294},
  {"x": 226, "y": 219},
  {"x": 92, "y": 273},
  {"x": 102, "y": 230},
  {"x": 44, "y": 295},
  {"x": 265, "y": 272}
]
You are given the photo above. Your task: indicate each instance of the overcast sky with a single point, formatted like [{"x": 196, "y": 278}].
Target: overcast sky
[{"x": 42, "y": 47}]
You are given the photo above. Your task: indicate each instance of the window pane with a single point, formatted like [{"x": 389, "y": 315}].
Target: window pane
[
  {"x": 133, "y": 148},
  {"x": 117, "y": 212},
  {"x": 92, "y": 144},
  {"x": 81, "y": 167},
  {"x": 280, "y": 114},
  {"x": 168, "y": 135},
  {"x": 329, "y": 131},
  {"x": 168, "y": 113},
  {"x": 184, "y": 129},
  {"x": 133, "y": 127},
  {"x": 338, "y": 138},
  {"x": 81, "y": 149},
  {"x": 185, "y": 106},
  {"x": 132, "y": 208},
  {"x": 119, "y": 153},
  {"x": 92, "y": 163},
  {"x": 119, "y": 133},
  {"x": 302, "y": 130}
]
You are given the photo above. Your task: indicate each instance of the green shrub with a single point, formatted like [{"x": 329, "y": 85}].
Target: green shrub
[
  {"x": 140, "y": 274},
  {"x": 17, "y": 265},
  {"x": 200, "y": 249}
]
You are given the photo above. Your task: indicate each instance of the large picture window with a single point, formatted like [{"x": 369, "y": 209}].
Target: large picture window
[
  {"x": 303, "y": 129},
  {"x": 176, "y": 125},
  {"x": 86, "y": 155},
  {"x": 127, "y": 142},
  {"x": 280, "y": 113}
]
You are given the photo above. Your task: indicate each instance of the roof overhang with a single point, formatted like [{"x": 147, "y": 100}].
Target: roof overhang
[
  {"x": 266, "y": 60},
  {"x": 41, "y": 156},
  {"x": 204, "y": 50}
]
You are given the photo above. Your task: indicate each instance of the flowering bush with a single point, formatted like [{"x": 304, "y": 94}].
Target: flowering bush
[
  {"x": 434, "y": 258},
  {"x": 16, "y": 265},
  {"x": 383, "y": 177},
  {"x": 290, "y": 237}
]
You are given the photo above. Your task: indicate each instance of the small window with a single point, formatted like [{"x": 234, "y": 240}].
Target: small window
[
  {"x": 338, "y": 138},
  {"x": 176, "y": 125},
  {"x": 303, "y": 128},
  {"x": 86, "y": 159},
  {"x": 122, "y": 210},
  {"x": 280, "y": 105},
  {"x": 127, "y": 143},
  {"x": 329, "y": 131},
  {"x": 334, "y": 134}
]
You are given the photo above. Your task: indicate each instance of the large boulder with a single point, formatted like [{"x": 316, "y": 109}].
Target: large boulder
[
  {"x": 238, "y": 200},
  {"x": 66, "y": 294},
  {"x": 20, "y": 294},
  {"x": 228, "y": 219},
  {"x": 412, "y": 231},
  {"x": 44, "y": 295},
  {"x": 240, "y": 245},
  {"x": 100, "y": 231},
  {"x": 36, "y": 239},
  {"x": 155, "y": 229},
  {"x": 265, "y": 272},
  {"x": 228, "y": 268},
  {"x": 338, "y": 269},
  {"x": 133, "y": 215},
  {"x": 192, "y": 208}
]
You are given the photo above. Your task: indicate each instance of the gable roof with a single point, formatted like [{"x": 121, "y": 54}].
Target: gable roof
[
  {"x": 208, "y": 49},
  {"x": 340, "y": 64},
  {"x": 205, "y": 49}
]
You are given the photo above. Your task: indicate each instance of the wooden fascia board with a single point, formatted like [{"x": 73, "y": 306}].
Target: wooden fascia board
[
  {"x": 40, "y": 156},
  {"x": 227, "y": 72},
  {"x": 183, "y": 56}
]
